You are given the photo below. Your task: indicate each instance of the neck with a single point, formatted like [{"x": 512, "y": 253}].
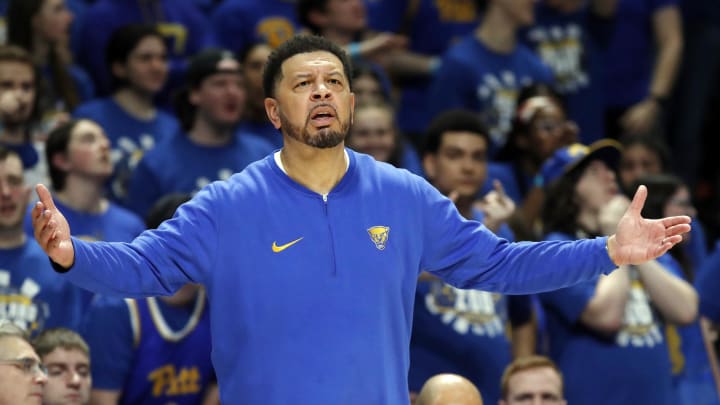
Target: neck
[
  {"x": 465, "y": 207},
  {"x": 83, "y": 195},
  {"x": 12, "y": 237},
  {"x": 138, "y": 104},
  {"x": 497, "y": 32},
  {"x": 588, "y": 220},
  {"x": 206, "y": 133},
  {"x": 320, "y": 170}
]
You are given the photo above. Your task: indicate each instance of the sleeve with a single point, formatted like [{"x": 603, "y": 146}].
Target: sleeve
[
  {"x": 159, "y": 261},
  {"x": 466, "y": 255},
  {"x": 109, "y": 334}
]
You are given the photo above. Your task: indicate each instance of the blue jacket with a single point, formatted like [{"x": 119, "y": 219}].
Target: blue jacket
[{"x": 311, "y": 296}]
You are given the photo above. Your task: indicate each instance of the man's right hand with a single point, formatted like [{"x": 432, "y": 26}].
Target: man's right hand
[{"x": 51, "y": 229}]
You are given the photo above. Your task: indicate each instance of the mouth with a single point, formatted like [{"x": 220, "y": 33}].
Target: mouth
[
  {"x": 322, "y": 116},
  {"x": 7, "y": 209}
]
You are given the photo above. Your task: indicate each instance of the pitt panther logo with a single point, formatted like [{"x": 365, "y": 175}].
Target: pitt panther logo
[{"x": 379, "y": 236}]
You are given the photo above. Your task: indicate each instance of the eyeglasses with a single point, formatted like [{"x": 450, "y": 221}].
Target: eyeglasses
[{"x": 28, "y": 365}]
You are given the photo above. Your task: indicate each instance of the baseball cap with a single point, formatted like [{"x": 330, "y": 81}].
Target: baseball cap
[
  {"x": 209, "y": 62},
  {"x": 567, "y": 158}
]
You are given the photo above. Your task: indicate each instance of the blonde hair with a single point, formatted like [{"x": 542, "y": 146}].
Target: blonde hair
[{"x": 527, "y": 363}]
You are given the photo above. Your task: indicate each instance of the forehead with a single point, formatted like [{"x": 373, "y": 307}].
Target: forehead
[
  {"x": 311, "y": 62},
  {"x": 52, "y": 3},
  {"x": 260, "y": 52},
  {"x": 465, "y": 139},
  {"x": 149, "y": 43},
  {"x": 639, "y": 150},
  {"x": 13, "y": 347},
  {"x": 11, "y": 165},
  {"x": 13, "y": 69},
  {"x": 66, "y": 355},
  {"x": 374, "y": 111},
  {"x": 84, "y": 127},
  {"x": 535, "y": 379}
]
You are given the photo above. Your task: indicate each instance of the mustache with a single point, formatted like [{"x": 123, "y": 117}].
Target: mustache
[{"x": 321, "y": 105}]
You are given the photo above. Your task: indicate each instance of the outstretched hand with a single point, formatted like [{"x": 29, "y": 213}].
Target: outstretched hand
[
  {"x": 51, "y": 229},
  {"x": 638, "y": 239}
]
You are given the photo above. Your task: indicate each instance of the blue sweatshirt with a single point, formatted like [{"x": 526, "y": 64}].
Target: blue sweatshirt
[{"x": 311, "y": 296}]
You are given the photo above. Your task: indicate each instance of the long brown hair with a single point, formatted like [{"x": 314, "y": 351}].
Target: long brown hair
[{"x": 20, "y": 32}]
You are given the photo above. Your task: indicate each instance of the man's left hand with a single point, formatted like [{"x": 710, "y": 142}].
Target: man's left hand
[{"x": 638, "y": 239}]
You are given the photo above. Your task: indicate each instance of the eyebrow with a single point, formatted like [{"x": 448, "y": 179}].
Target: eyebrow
[{"x": 302, "y": 75}]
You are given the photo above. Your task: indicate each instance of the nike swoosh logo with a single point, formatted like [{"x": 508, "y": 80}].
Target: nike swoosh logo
[{"x": 278, "y": 249}]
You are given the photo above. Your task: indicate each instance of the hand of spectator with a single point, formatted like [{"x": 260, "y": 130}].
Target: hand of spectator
[
  {"x": 638, "y": 239},
  {"x": 375, "y": 47},
  {"x": 640, "y": 118},
  {"x": 496, "y": 206},
  {"x": 611, "y": 213},
  {"x": 51, "y": 229}
]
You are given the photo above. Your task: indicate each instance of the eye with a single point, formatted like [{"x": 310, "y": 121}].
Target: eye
[{"x": 303, "y": 83}]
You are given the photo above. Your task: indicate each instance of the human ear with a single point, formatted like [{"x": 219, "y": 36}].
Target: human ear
[{"x": 272, "y": 109}]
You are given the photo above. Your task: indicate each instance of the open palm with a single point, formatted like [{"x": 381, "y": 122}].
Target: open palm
[
  {"x": 51, "y": 229},
  {"x": 638, "y": 239}
]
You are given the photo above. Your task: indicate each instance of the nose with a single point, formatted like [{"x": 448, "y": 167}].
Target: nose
[
  {"x": 467, "y": 164},
  {"x": 40, "y": 377},
  {"x": 4, "y": 188},
  {"x": 74, "y": 380},
  {"x": 321, "y": 92}
]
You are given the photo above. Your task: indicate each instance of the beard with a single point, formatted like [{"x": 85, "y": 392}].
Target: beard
[{"x": 323, "y": 139}]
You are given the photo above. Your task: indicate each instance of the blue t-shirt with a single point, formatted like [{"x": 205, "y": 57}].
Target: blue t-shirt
[
  {"x": 116, "y": 224},
  {"x": 631, "y": 54},
  {"x": 129, "y": 136},
  {"x": 630, "y": 367},
  {"x": 474, "y": 77},
  {"x": 692, "y": 373},
  {"x": 463, "y": 332},
  {"x": 179, "y": 165},
  {"x": 432, "y": 27},
  {"x": 571, "y": 44},
  {"x": 240, "y": 23},
  {"x": 185, "y": 29},
  {"x": 151, "y": 352},
  {"x": 311, "y": 296},
  {"x": 33, "y": 296}
]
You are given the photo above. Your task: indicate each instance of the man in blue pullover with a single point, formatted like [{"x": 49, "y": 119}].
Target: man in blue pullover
[{"x": 310, "y": 257}]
